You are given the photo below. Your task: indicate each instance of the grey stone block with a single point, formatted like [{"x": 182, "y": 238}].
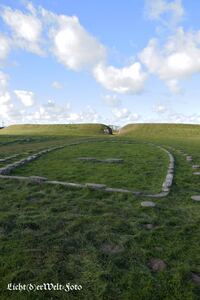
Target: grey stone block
[
  {"x": 196, "y": 198},
  {"x": 95, "y": 186},
  {"x": 148, "y": 204}
]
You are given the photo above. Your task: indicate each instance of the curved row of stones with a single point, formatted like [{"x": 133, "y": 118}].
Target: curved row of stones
[
  {"x": 15, "y": 141},
  {"x": 8, "y": 158},
  {"x": 156, "y": 264},
  {"x": 189, "y": 158},
  {"x": 5, "y": 171}
]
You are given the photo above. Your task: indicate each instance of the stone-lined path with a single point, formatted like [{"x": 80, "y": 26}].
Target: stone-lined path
[
  {"x": 5, "y": 171},
  {"x": 195, "y": 168}
]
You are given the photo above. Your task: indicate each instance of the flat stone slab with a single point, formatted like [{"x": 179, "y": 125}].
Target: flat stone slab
[
  {"x": 148, "y": 204},
  {"x": 87, "y": 158},
  {"x": 67, "y": 184},
  {"x": 196, "y": 198},
  {"x": 195, "y": 166},
  {"x": 108, "y": 160},
  {"x": 196, "y": 278},
  {"x": 157, "y": 265},
  {"x": 196, "y": 173},
  {"x": 95, "y": 186},
  {"x": 14, "y": 177},
  {"x": 115, "y": 190},
  {"x": 189, "y": 158},
  {"x": 148, "y": 226},
  {"x": 113, "y": 160},
  {"x": 111, "y": 248},
  {"x": 8, "y": 157}
]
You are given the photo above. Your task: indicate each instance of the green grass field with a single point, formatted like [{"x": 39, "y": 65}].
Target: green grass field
[
  {"x": 97, "y": 239},
  {"x": 143, "y": 167}
]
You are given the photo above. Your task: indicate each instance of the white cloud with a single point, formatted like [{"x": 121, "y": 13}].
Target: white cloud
[
  {"x": 160, "y": 109},
  {"x": 127, "y": 80},
  {"x": 3, "y": 81},
  {"x": 4, "y": 47},
  {"x": 156, "y": 9},
  {"x": 111, "y": 100},
  {"x": 5, "y": 97},
  {"x": 175, "y": 117},
  {"x": 89, "y": 115},
  {"x": 123, "y": 114},
  {"x": 174, "y": 87},
  {"x": 27, "y": 98},
  {"x": 177, "y": 59},
  {"x": 73, "y": 45},
  {"x": 26, "y": 29},
  {"x": 5, "y": 110},
  {"x": 6, "y": 105},
  {"x": 4, "y": 94},
  {"x": 55, "y": 113},
  {"x": 51, "y": 103},
  {"x": 57, "y": 85}
]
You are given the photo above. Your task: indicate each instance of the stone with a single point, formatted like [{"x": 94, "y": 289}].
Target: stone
[
  {"x": 111, "y": 248},
  {"x": 87, "y": 158},
  {"x": 8, "y": 157},
  {"x": 148, "y": 204},
  {"x": 95, "y": 186},
  {"x": 195, "y": 166},
  {"x": 168, "y": 180},
  {"x": 76, "y": 185},
  {"x": 148, "y": 226},
  {"x": 137, "y": 193},
  {"x": 196, "y": 173},
  {"x": 68, "y": 184},
  {"x": 157, "y": 265},
  {"x": 196, "y": 278},
  {"x": 115, "y": 190},
  {"x": 189, "y": 158},
  {"x": 4, "y": 171},
  {"x": 108, "y": 160},
  {"x": 196, "y": 198},
  {"x": 14, "y": 177},
  {"x": 113, "y": 160},
  {"x": 38, "y": 178}
]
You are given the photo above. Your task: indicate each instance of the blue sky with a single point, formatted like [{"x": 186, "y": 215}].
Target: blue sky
[{"x": 116, "y": 62}]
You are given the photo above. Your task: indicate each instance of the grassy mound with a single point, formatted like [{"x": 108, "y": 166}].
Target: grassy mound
[
  {"x": 161, "y": 131},
  {"x": 57, "y": 129}
]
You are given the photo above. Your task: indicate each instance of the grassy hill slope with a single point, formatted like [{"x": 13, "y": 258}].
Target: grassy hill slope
[
  {"x": 57, "y": 129},
  {"x": 161, "y": 131}
]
